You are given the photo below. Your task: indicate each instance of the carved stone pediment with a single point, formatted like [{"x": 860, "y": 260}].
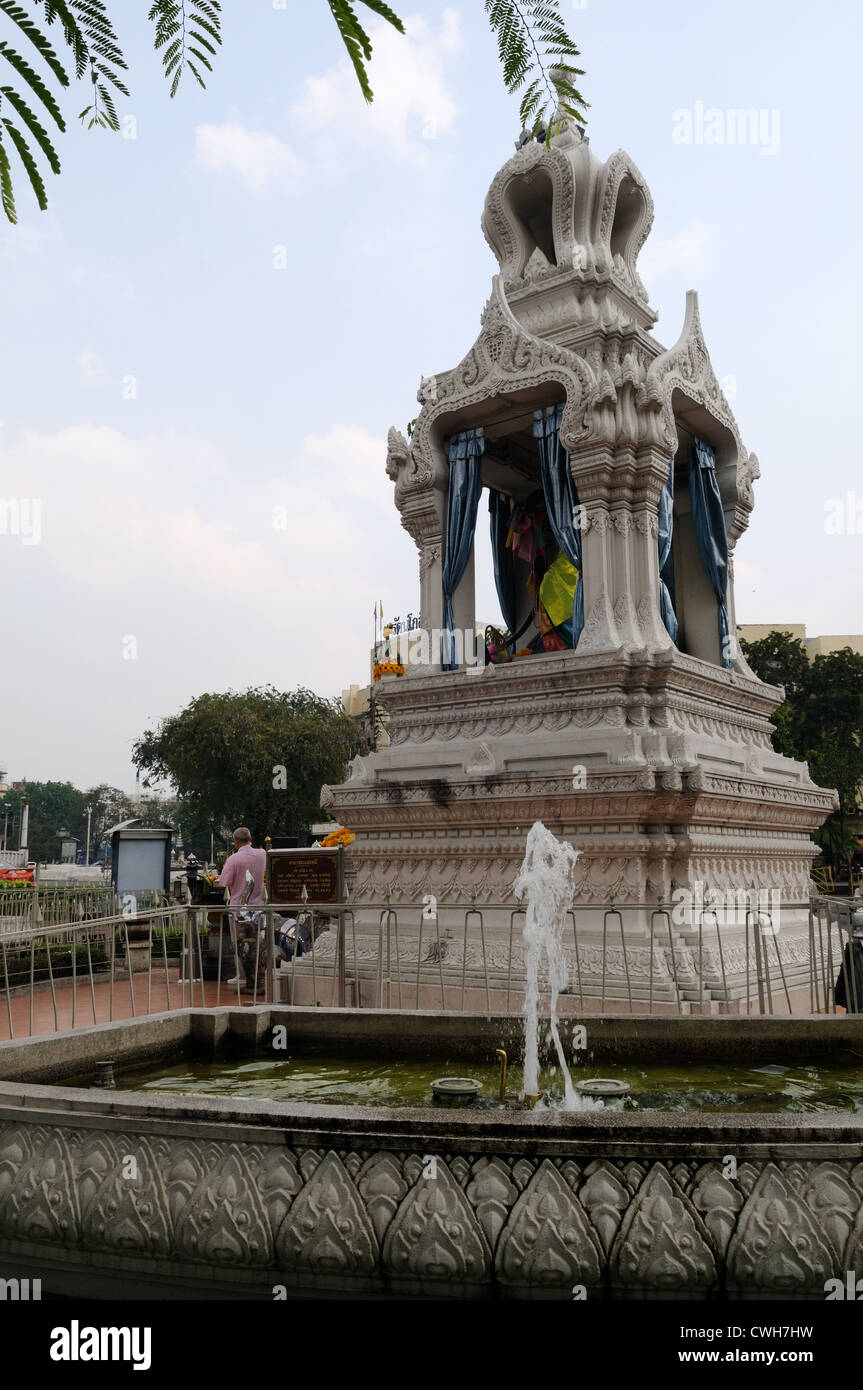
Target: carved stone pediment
[
  {"x": 505, "y": 357},
  {"x": 687, "y": 365}
]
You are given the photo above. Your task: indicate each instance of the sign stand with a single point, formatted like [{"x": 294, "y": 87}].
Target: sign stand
[{"x": 312, "y": 877}]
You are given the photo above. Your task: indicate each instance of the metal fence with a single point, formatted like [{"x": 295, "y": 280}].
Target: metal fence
[
  {"x": 833, "y": 954},
  {"x": 41, "y": 905},
  {"x": 636, "y": 958}
]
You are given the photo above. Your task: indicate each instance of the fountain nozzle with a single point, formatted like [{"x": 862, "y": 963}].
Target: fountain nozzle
[{"x": 526, "y": 1102}]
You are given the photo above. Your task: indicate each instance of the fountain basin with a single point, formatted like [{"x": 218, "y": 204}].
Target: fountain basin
[{"x": 131, "y": 1194}]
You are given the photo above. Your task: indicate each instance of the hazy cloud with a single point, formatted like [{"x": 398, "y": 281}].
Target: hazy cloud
[
  {"x": 91, "y": 364},
  {"x": 687, "y": 252},
  {"x": 257, "y": 156},
  {"x": 411, "y": 77}
]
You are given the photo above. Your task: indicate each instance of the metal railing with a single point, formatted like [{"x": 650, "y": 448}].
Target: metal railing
[
  {"x": 635, "y": 955},
  {"x": 634, "y": 958},
  {"x": 57, "y": 904},
  {"x": 832, "y": 953}
]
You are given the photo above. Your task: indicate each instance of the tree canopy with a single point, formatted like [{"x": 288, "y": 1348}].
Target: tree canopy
[
  {"x": 536, "y": 54},
  {"x": 54, "y": 806},
  {"x": 257, "y": 757},
  {"x": 820, "y": 722}
]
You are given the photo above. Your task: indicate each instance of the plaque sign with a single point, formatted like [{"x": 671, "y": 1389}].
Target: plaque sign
[{"x": 319, "y": 871}]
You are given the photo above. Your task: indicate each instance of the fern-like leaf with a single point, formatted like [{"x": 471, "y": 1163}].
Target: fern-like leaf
[
  {"x": 95, "y": 24},
  {"x": 112, "y": 121},
  {"x": 378, "y": 7},
  {"x": 7, "y": 195},
  {"x": 201, "y": 23},
  {"x": 357, "y": 42},
  {"x": 26, "y": 156},
  {"x": 34, "y": 82},
  {"x": 36, "y": 37},
  {"x": 31, "y": 121},
  {"x": 535, "y": 49},
  {"x": 74, "y": 39},
  {"x": 186, "y": 30}
]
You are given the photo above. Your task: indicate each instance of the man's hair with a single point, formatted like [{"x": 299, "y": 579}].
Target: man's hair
[{"x": 243, "y": 835}]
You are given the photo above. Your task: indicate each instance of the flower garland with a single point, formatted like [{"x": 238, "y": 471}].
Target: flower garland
[
  {"x": 338, "y": 837},
  {"x": 387, "y": 668}
]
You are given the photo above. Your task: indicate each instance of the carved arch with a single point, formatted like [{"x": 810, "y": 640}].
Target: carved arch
[
  {"x": 686, "y": 367},
  {"x": 503, "y": 222},
  {"x": 505, "y": 358},
  {"x": 624, "y": 219}
]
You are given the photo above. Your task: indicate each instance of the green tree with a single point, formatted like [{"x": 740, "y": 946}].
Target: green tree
[
  {"x": 820, "y": 722},
  {"x": 10, "y": 816},
  {"x": 535, "y": 49},
  {"x": 191, "y": 822},
  {"x": 257, "y": 757},
  {"x": 833, "y": 731},
  {"x": 780, "y": 659},
  {"x": 196, "y": 825},
  {"x": 108, "y": 806},
  {"x": 54, "y": 806}
]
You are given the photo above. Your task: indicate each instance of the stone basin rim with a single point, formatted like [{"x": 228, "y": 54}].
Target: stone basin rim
[{"x": 132, "y": 1040}]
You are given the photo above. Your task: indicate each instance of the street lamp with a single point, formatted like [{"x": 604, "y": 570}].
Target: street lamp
[{"x": 23, "y": 842}]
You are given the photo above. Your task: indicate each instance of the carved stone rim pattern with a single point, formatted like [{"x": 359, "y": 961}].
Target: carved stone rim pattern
[{"x": 369, "y": 1218}]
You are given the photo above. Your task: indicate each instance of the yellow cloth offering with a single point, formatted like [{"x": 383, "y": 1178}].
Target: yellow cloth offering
[{"x": 557, "y": 590}]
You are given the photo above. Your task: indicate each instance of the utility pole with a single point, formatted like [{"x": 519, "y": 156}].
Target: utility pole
[
  {"x": 25, "y": 823},
  {"x": 87, "y": 850}
]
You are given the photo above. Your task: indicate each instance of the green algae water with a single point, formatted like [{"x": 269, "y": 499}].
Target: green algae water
[{"x": 337, "y": 1080}]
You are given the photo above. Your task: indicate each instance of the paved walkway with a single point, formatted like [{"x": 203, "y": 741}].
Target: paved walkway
[{"x": 75, "y": 1007}]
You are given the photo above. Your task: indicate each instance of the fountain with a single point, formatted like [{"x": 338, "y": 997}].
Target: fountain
[
  {"x": 646, "y": 740},
  {"x": 545, "y": 880},
  {"x": 202, "y": 1193}
]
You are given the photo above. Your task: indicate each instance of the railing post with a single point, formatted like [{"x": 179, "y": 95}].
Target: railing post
[
  {"x": 341, "y": 951},
  {"x": 36, "y": 911},
  {"x": 270, "y": 943}
]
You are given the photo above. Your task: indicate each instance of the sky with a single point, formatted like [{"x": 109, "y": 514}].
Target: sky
[{"x": 228, "y": 304}]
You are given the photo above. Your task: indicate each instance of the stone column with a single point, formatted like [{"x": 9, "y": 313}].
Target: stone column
[{"x": 464, "y": 610}]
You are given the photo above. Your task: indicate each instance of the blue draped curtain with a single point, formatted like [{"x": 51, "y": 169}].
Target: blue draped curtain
[
  {"x": 709, "y": 520},
  {"x": 561, "y": 499},
  {"x": 464, "y": 451},
  {"x": 666, "y": 566},
  {"x": 500, "y": 510}
]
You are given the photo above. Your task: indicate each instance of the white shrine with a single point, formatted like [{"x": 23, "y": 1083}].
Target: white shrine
[{"x": 638, "y": 733}]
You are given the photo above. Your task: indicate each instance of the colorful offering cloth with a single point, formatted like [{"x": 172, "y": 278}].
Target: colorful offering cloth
[{"x": 557, "y": 593}]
